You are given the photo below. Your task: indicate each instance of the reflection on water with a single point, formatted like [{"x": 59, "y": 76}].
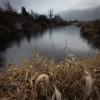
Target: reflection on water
[{"x": 53, "y": 43}]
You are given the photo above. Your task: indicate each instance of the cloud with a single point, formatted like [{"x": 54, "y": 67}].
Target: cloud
[
  {"x": 84, "y": 4},
  {"x": 43, "y": 6}
]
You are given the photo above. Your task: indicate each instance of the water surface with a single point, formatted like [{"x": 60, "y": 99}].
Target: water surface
[{"x": 53, "y": 43}]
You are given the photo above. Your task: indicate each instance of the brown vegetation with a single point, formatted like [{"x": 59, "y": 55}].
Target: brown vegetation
[
  {"x": 91, "y": 27},
  {"x": 43, "y": 79},
  {"x": 90, "y": 31}
]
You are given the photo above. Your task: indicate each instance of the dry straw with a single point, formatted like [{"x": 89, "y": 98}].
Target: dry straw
[{"x": 43, "y": 79}]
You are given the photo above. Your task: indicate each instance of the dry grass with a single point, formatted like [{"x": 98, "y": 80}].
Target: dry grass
[{"x": 43, "y": 79}]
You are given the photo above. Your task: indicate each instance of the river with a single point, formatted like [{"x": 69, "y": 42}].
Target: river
[{"x": 56, "y": 43}]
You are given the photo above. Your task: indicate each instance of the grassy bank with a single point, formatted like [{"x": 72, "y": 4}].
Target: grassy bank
[
  {"x": 43, "y": 79},
  {"x": 90, "y": 31},
  {"x": 91, "y": 27}
]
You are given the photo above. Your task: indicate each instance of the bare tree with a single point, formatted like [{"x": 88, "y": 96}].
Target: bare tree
[{"x": 50, "y": 14}]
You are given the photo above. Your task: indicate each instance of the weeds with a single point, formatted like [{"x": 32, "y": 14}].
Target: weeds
[{"x": 43, "y": 79}]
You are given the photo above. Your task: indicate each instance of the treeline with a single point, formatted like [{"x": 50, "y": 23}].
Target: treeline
[
  {"x": 26, "y": 22},
  {"x": 45, "y": 20}
]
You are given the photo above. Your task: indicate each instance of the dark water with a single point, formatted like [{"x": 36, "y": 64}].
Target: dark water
[{"x": 52, "y": 43}]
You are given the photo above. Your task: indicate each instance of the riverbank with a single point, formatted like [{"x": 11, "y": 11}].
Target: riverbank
[
  {"x": 44, "y": 79},
  {"x": 91, "y": 27},
  {"x": 18, "y": 23},
  {"x": 90, "y": 31}
]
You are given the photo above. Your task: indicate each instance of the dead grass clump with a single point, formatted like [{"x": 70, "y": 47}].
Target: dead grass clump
[{"x": 43, "y": 79}]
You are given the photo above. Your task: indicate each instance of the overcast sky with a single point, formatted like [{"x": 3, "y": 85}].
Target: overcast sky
[{"x": 43, "y": 6}]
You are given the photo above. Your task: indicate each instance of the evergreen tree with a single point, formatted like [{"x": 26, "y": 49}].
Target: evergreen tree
[{"x": 24, "y": 12}]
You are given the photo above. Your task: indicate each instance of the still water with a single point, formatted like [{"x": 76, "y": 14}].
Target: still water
[{"x": 53, "y": 43}]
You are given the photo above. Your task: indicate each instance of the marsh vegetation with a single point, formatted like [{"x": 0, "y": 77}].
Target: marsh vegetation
[{"x": 43, "y": 79}]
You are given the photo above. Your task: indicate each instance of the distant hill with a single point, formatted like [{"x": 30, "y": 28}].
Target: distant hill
[{"x": 88, "y": 14}]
